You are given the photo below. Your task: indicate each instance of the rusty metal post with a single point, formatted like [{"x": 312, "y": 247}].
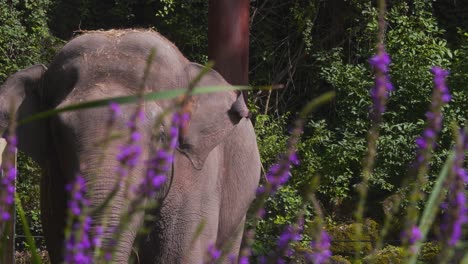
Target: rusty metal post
[
  {"x": 228, "y": 39},
  {"x": 9, "y": 255}
]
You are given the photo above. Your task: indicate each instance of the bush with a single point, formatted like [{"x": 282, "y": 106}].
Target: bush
[
  {"x": 337, "y": 259},
  {"x": 387, "y": 255},
  {"x": 430, "y": 252},
  {"x": 28, "y": 188},
  {"x": 25, "y": 257},
  {"x": 415, "y": 43},
  {"x": 24, "y": 36},
  {"x": 343, "y": 235}
]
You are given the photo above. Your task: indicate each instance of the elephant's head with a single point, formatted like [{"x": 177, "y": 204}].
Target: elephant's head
[{"x": 20, "y": 93}]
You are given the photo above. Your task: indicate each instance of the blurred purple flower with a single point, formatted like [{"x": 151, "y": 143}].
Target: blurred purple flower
[
  {"x": 415, "y": 235},
  {"x": 456, "y": 214},
  {"x": 321, "y": 249},
  {"x": 213, "y": 253},
  {"x": 290, "y": 234},
  {"x": 383, "y": 86},
  {"x": 130, "y": 152},
  {"x": 79, "y": 244},
  {"x": 7, "y": 182},
  {"x": 138, "y": 116},
  {"x": 160, "y": 164},
  {"x": 279, "y": 173},
  {"x": 439, "y": 81},
  {"x": 244, "y": 260},
  {"x": 77, "y": 196},
  {"x": 116, "y": 111},
  {"x": 232, "y": 258},
  {"x": 412, "y": 235},
  {"x": 427, "y": 141}
]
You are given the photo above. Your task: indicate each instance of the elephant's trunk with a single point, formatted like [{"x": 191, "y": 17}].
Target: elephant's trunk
[
  {"x": 117, "y": 237},
  {"x": 78, "y": 150}
]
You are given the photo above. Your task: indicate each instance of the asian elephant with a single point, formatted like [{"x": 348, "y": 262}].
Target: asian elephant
[{"x": 216, "y": 166}]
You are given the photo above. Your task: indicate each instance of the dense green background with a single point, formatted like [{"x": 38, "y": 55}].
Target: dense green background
[{"x": 310, "y": 46}]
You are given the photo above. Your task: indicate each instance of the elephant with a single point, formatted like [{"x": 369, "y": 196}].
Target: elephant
[{"x": 216, "y": 166}]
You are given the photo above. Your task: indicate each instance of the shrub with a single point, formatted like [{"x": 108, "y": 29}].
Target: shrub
[
  {"x": 337, "y": 259},
  {"x": 387, "y": 255},
  {"x": 343, "y": 236},
  {"x": 24, "y": 36},
  {"x": 28, "y": 187},
  {"x": 25, "y": 257}
]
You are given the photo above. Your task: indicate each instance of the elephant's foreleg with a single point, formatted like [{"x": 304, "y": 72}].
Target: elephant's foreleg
[{"x": 234, "y": 244}]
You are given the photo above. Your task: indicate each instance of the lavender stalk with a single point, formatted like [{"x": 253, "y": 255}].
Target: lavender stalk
[{"x": 425, "y": 144}]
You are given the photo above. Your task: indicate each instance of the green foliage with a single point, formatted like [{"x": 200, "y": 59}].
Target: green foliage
[
  {"x": 28, "y": 188},
  {"x": 388, "y": 255},
  {"x": 25, "y": 257},
  {"x": 458, "y": 81},
  {"x": 24, "y": 35},
  {"x": 191, "y": 38},
  {"x": 430, "y": 252},
  {"x": 337, "y": 259},
  {"x": 25, "y": 40},
  {"x": 413, "y": 53},
  {"x": 333, "y": 145},
  {"x": 343, "y": 234},
  {"x": 393, "y": 254},
  {"x": 271, "y": 137},
  {"x": 183, "y": 22}
]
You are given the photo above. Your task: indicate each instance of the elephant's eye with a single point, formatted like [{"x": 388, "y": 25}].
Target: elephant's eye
[
  {"x": 4, "y": 119},
  {"x": 162, "y": 136}
]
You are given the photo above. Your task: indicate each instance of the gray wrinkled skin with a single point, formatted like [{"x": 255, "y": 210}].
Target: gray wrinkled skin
[{"x": 216, "y": 168}]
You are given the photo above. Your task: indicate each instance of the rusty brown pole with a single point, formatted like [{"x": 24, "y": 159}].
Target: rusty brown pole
[{"x": 228, "y": 39}]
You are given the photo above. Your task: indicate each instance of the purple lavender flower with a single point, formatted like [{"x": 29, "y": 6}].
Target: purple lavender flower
[
  {"x": 78, "y": 199},
  {"x": 321, "y": 249},
  {"x": 160, "y": 164},
  {"x": 412, "y": 235},
  {"x": 79, "y": 243},
  {"x": 290, "y": 234},
  {"x": 130, "y": 152},
  {"x": 415, "y": 235},
  {"x": 116, "y": 111},
  {"x": 213, "y": 253},
  {"x": 78, "y": 248},
  {"x": 383, "y": 86},
  {"x": 427, "y": 141},
  {"x": 279, "y": 173},
  {"x": 439, "y": 81},
  {"x": 232, "y": 258},
  {"x": 456, "y": 211},
  {"x": 7, "y": 182},
  {"x": 138, "y": 116},
  {"x": 244, "y": 260}
]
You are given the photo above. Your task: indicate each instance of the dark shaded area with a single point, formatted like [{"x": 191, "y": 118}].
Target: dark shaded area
[{"x": 453, "y": 17}]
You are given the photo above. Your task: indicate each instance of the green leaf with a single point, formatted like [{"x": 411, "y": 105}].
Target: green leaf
[
  {"x": 32, "y": 245},
  {"x": 170, "y": 94},
  {"x": 432, "y": 206}
]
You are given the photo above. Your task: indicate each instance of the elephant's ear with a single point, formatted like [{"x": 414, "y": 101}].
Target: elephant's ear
[
  {"x": 23, "y": 89},
  {"x": 213, "y": 116},
  {"x": 20, "y": 85}
]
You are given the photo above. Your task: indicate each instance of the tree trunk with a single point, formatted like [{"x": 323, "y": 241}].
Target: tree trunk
[{"x": 228, "y": 39}]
